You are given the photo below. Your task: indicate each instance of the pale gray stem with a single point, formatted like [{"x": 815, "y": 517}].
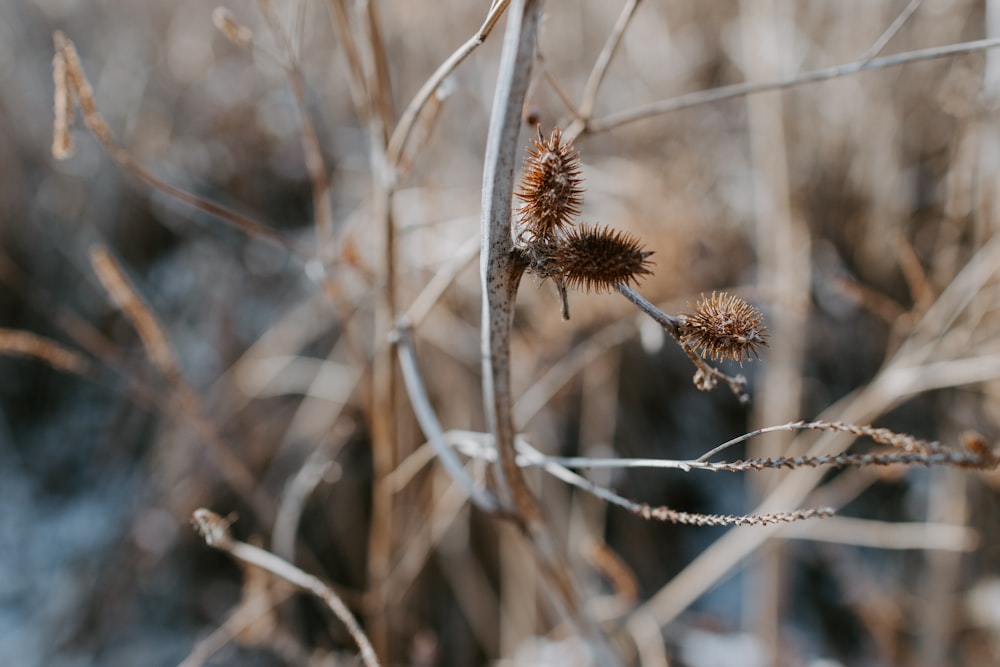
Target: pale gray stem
[
  {"x": 596, "y": 78},
  {"x": 215, "y": 530},
  {"x": 499, "y": 269},
  {"x": 501, "y": 272},
  {"x": 430, "y": 425},
  {"x": 668, "y": 322},
  {"x": 825, "y": 74}
]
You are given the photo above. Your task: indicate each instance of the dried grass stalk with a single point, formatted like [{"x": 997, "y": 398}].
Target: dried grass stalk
[
  {"x": 26, "y": 344},
  {"x": 62, "y": 138},
  {"x": 127, "y": 298}
]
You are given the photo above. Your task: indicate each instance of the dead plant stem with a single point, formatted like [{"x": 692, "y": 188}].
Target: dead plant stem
[
  {"x": 592, "y": 87},
  {"x": 749, "y": 88},
  {"x": 215, "y": 530},
  {"x": 401, "y": 134}
]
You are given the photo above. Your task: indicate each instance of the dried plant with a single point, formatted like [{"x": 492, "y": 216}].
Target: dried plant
[
  {"x": 598, "y": 259},
  {"x": 551, "y": 186},
  {"x": 724, "y": 327},
  {"x": 534, "y": 228}
]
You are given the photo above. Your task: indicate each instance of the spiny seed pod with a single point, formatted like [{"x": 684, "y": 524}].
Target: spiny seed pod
[
  {"x": 592, "y": 258},
  {"x": 724, "y": 327},
  {"x": 551, "y": 189}
]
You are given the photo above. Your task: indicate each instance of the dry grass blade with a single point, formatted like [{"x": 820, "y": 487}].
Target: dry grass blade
[
  {"x": 78, "y": 87},
  {"x": 26, "y": 344},
  {"x": 593, "y": 85},
  {"x": 62, "y": 138},
  {"x": 127, "y": 299},
  {"x": 215, "y": 531},
  {"x": 401, "y": 134},
  {"x": 315, "y": 163}
]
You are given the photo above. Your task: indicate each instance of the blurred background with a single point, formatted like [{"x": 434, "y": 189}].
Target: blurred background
[{"x": 859, "y": 214}]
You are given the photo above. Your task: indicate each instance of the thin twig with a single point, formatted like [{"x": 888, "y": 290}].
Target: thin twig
[
  {"x": 59, "y": 357},
  {"x": 706, "y": 376},
  {"x": 83, "y": 93},
  {"x": 443, "y": 278},
  {"x": 127, "y": 299},
  {"x": 215, "y": 531},
  {"x": 345, "y": 33},
  {"x": 740, "y": 89},
  {"x": 188, "y": 408},
  {"x": 473, "y": 444},
  {"x": 589, "y": 98},
  {"x": 401, "y": 134},
  {"x": 429, "y": 424},
  {"x": 313, "y": 154},
  {"x": 891, "y": 31},
  {"x": 555, "y": 85},
  {"x": 956, "y": 458},
  {"x": 887, "y": 534},
  {"x": 293, "y": 501}
]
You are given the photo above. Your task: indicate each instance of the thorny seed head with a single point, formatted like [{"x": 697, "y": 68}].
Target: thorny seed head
[
  {"x": 551, "y": 189},
  {"x": 722, "y": 327},
  {"x": 592, "y": 258}
]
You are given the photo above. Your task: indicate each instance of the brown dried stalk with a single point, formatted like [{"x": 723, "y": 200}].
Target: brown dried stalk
[
  {"x": 146, "y": 324},
  {"x": 77, "y": 87},
  {"x": 157, "y": 347},
  {"x": 613, "y": 568},
  {"x": 407, "y": 121},
  {"x": 26, "y": 344},
  {"x": 215, "y": 531},
  {"x": 62, "y": 138},
  {"x": 308, "y": 136},
  {"x": 226, "y": 23}
]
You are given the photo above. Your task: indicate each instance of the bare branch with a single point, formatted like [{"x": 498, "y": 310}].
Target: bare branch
[
  {"x": 891, "y": 31},
  {"x": 593, "y": 85},
  {"x": 397, "y": 142},
  {"x": 215, "y": 531},
  {"x": 78, "y": 86},
  {"x": 26, "y": 344},
  {"x": 740, "y": 89},
  {"x": 430, "y": 425}
]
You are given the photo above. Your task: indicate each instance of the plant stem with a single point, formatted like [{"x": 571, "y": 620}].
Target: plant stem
[{"x": 501, "y": 272}]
